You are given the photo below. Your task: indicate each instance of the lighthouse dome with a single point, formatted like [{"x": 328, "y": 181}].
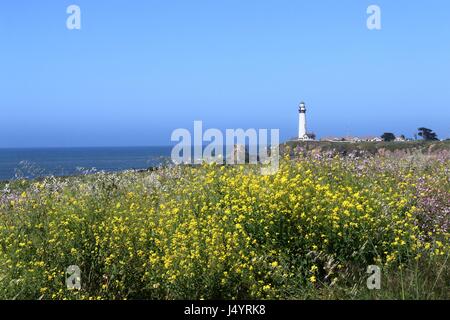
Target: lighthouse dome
[{"x": 302, "y": 106}]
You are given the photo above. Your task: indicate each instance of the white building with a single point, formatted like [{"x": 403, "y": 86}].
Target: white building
[{"x": 302, "y": 133}]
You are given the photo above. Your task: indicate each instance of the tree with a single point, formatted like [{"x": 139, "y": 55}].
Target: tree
[
  {"x": 388, "y": 136},
  {"x": 311, "y": 135},
  {"x": 427, "y": 134}
]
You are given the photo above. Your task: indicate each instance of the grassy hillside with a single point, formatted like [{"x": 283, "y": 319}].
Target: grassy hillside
[
  {"x": 211, "y": 232},
  {"x": 425, "y": 147}
]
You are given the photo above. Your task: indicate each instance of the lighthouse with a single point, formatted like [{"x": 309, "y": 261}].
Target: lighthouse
[{"x": 302, "y": 134}]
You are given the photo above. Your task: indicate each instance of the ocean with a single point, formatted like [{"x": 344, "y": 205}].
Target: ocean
[{"x": 37, "y": 162}]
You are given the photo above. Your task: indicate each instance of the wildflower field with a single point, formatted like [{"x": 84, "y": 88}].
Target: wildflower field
[{"x": 227, "y": 232}]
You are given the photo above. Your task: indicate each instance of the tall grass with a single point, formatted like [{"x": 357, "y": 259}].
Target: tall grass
[{"x": 216, "y": 232}]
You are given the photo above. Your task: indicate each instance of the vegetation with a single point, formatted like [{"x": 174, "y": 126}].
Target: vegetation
[
  {"x": 388, "y": 136},
  {"x": 211, "y": 232},
  {"x": 427, "y": 134},
  {"x": 374, "y": 148}
]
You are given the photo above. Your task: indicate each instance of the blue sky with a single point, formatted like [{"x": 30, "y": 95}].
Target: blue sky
[{"x": 137, "y": 70}]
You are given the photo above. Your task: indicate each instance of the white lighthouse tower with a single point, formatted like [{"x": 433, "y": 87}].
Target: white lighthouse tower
[{"x": 302, "y": 134}]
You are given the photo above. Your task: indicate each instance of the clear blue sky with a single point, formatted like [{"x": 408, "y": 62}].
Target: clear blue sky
[{"x": 139, "y": 69}]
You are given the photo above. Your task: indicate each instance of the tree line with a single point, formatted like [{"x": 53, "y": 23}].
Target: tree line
[{"x": 425, "y": 133}]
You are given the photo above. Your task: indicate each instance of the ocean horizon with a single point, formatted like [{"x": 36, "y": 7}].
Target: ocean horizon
[
  {"x": 36, "y": 162},
  {"x": 31, "y": 163}
]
